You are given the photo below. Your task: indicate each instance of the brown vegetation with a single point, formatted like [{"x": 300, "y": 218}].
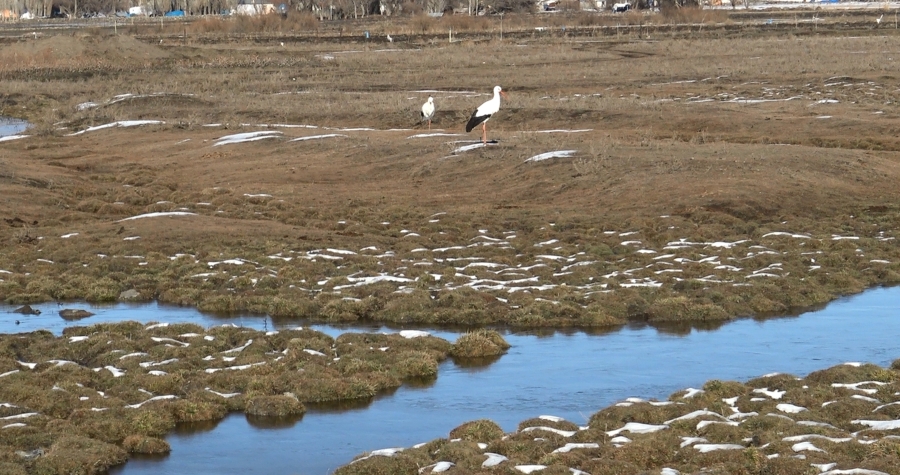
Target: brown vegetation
[
  {"x": 777, "y": 208},
  {"x": 99, "y": 392},
  {"x": 720, "y": 169}
]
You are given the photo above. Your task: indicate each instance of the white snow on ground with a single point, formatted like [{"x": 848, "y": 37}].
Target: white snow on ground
[
  {"x": 13, "y": 137},
  {"x": 18, "y": 416},
  {"x": 637, "y": 428},
  {"x": 530, "y": 468},
  {"x": 493, "y": 460},
  {"x": 807, "y": 437},
  {"x": 564, "y": 433},
  {"x": 879, "y": 425},
  {"x": 315, "y": 137},
  {"x": 150, "y": 364},
  {"x": 856, "y": 386},
  {"x": 155, "y": 398},
  {"x": 436, "y": 134},
  {"x": 413, "y": 333},
  {"x": 774, "y": 394},
  {"x": 551, "y": 418},
  {"x": 854, "y": 471},
  {"x": 555, "y": 131},
  {"x": 234, "y": 368},
  {"x": 790, "y": 408},
  {"x": 549, "y": 155},
  {"x": 121, "y": 123},
  {"x": 780, "y": 233},
  {"x": 805, "y": 447},
  {"x": 157, "y": 215},
  {"x": 696, "y": 414},
  {"x": 224, "y": 395},
  {"x": 691, "y": 392},
  {"x": 116, "y": 372},
  {"x": 169, "y": 340},
  {"x": 704, "y": 448},
  {"x": 380, "y": 453},
  {"x": 685, "y": 441},
  {"x": 568, "y": 447},
  {"x": 466, "y": 148},
  {"x": 240, "y": 348},
  {"x": 619, "y": 440},
  {"x": 439, "y": 467},
  {"x": 247, "y": 137}
]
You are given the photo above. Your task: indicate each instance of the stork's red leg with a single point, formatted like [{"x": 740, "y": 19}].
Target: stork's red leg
[{"x": 484, "y": 133}]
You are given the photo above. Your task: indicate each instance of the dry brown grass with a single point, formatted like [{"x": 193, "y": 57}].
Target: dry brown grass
[{"x": 671, "y": 154}]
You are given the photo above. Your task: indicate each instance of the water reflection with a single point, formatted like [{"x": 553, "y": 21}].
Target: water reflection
[
  {"x": 266, "y": 422},
  {"x": 476, "y": 363}
]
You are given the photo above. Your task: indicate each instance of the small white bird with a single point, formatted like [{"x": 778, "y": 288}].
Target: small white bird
[
  {"x": 282, "y": 44},
  {"x": 878, "y": 20},
  {"x": 428, "y": 111},
  {"x": 484, "y": 112},
  {"x": 390, "y": 40}
]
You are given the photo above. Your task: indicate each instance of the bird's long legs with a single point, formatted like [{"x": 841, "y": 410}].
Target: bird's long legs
[{"x": 484, "y": 133}]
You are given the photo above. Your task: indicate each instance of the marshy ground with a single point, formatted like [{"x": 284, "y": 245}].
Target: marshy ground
[
  {"x": 840, "y": 420},
  {"x": 727, "y": 167}
]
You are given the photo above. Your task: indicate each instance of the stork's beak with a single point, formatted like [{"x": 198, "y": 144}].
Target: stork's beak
[{"x": 503, "y": 93}]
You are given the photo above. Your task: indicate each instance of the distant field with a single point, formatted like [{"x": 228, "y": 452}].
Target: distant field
[{"x": 664, "y": 170}]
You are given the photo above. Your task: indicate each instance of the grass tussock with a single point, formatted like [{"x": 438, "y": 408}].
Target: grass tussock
[
  {"x": 73, "y": 454},
  {"x": 479, "y": 344},
  {"x": 138, "y": 444},
  {"x": 274, "y": 406}
]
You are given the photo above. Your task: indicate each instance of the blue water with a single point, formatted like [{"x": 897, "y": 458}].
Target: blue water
[
  {"x": 10, "y": 126},
  {"x": 569, "y": 374}
]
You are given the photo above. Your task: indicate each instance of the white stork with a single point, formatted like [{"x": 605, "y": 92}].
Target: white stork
[
  {"x": 484, "y": 112},
  {"x": 428, "y": 111}
]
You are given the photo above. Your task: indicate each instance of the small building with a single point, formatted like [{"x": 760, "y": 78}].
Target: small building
[
  {"x": 548, "y": 5},
  {"x": 254, "y": 7}
]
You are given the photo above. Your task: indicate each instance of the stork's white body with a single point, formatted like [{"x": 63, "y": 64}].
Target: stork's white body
[
  {"x": 428, "y": 111},
  {"x": 484, "y": 112}
]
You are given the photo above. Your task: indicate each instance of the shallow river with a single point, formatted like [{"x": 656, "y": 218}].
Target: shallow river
[{"x": 568, "y": 374}]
